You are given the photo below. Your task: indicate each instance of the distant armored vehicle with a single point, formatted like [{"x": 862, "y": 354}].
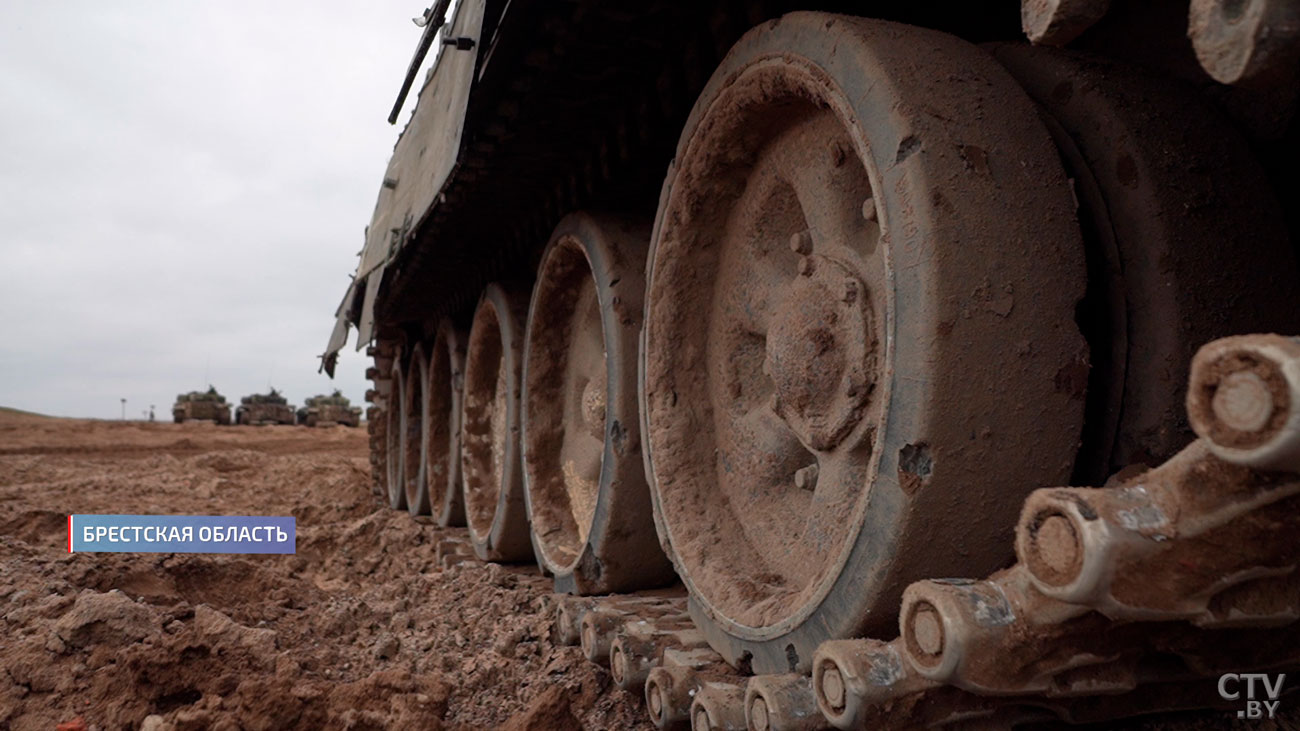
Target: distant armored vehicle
[
  {"x": 329, "y": 410},
  {"x": 201, "y": 406},
  {"x": 259, "y": 409}
]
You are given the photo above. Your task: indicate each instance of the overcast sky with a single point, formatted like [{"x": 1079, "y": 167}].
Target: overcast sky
[{"x": 184, "y": 188}]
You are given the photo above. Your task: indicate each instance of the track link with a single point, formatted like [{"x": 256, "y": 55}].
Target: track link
[{"x": 1125, "y": 600}]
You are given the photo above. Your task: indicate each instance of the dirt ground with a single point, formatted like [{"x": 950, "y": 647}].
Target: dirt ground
[{"x": 361, "y": 629}]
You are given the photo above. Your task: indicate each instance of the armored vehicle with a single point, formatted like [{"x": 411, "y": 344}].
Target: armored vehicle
[
  {"x": 322, "y": 410},
  {"x": 260, "y": 409},
  {"x": 794, "y": 305},
  {"x": 201, "y": 406}
]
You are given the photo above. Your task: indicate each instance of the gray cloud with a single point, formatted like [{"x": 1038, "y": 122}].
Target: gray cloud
[{"x": 185, "y": 188}]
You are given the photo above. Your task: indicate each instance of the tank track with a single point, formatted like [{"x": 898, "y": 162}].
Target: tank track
[{"x": 1125, "y": 600}]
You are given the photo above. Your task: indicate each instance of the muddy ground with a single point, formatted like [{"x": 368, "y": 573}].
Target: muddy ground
[{"x": 361, "y": 629}]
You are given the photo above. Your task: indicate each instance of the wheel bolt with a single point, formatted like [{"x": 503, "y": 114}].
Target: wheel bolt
[
  {"x": 837, "y": 154},
  {"x": 869, "y": 209},
  {"x": 806, "y": 266},
  {"x": 833, "y": 686},
  {"x": 805, "y": 478},
  {"x": 927, "y": 629},
  {"x": 617, "y": 663},
  {"x": 801, "y": 242},
  {"x": 1059, "y": 543},
  {"x": 850, "y": 293},
  {"x": 1243, "y": 402},
  {"x": 758, "y": 715}
]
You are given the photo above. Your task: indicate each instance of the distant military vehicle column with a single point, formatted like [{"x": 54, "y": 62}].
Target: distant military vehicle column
[
  {"x": 322, "y": 410},
  {"x": 260, "y": 409},
  {"x": 201, "y": 406}
]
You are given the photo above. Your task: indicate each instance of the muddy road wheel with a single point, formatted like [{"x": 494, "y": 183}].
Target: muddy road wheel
[
  {"x": 1179, "y": 219},
  {"x": 415, "y": 424},
  {"x": 395, "y": 451},
  {"x": 588, "y": 503},
  {"x": 859, "y": 352},
  {"x": 489, "y": 440},
  {"x": 442, "y": 408}
]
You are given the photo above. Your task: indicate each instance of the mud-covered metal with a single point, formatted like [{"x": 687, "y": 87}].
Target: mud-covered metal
[
  {"x": 588, "y": 502},
  {"x": 782, "y": 703},
  {"x": 1057, "y": 22},
  {"x": 1244, "y": 400},
  {"x": 415, "y": 425},
  {"x": 719, "y": 706},
  {"x": 491, "y": 472},
  {"x": 842, "y": 277},
  {"x": 377, "y": 416},
  {"x": 446, "y": 381},
  {"x": 394, "y": 432},
  {"x": 1191, "y": 247},
  {"x": 639, "y": 646},
  {"x": 1177, "y": 215},
  {"x": 1118, "y": 591}
]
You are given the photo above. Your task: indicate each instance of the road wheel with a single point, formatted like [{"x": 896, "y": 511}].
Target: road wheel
[
  {"x": 489, "y": 442},
  {"x": 1179, "y": 220},
  {"x": 588, "y": 503},
  {"x": 859, "y": 351},
  {"x": 395, "y": 450},
  {"x": 415, "y": 422},
  {"x": 442, "y": 436}
]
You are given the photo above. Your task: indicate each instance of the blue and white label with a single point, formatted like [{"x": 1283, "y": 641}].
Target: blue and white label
[{"x": 182, "y": 533}]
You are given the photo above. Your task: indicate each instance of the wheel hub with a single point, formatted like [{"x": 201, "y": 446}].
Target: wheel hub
[{"x": 818, "y": 352}]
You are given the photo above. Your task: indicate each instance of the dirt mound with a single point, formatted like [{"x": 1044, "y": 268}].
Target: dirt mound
[
  {"x": 11, "y": 415},
  {"x": 361, "y": 629}
]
